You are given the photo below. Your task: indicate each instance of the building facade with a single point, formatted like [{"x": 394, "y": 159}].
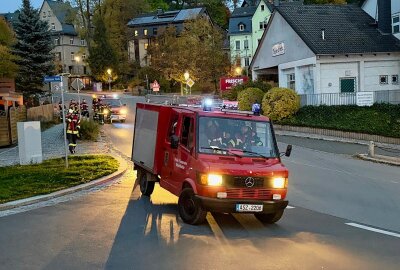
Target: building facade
[
  {"x": 246, "y": 27},
  {"x": 70, "y": 51},
  {"x": 371, "y": 7},
  {"x": 145, "y": 28},
  {"x": 327, "y": 49}
]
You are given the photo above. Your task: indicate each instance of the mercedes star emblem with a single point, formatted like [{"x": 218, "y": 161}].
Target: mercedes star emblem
[{"x": 249, "y": 182}]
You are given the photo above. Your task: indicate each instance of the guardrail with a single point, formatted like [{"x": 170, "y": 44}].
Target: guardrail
[{"x": 381, "y": 96}]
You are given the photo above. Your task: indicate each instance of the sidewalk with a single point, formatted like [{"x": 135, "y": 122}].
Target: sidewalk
[{"x": 53, "y": 147}]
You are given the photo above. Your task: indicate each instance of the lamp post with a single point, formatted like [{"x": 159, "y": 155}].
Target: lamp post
[
  {"x": 109, "y": 71},
  {"x": 78, "y": 59},
  {"x": 186, "y": 76}
]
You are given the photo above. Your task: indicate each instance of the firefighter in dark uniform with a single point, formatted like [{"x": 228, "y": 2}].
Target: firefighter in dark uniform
[
  {"x": 84, "y": 108},
  {"x": 73, "y": 127}
]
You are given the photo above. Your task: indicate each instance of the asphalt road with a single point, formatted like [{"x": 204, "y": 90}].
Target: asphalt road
[{"x": 116, "y": 228}]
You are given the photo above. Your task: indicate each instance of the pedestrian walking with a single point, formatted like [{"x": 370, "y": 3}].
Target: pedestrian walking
[{"x": 73, "y": 127}]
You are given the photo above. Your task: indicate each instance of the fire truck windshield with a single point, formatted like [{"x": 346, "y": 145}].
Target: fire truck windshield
[{"x": 249, "y": 138}]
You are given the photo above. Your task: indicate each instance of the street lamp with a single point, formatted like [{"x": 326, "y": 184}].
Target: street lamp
[
  {"x": 78, "y": 59},
  {"x": 109, "y": 79},
  {"x": 186, "y": 76},
  {"x": 238, "y": 71}
]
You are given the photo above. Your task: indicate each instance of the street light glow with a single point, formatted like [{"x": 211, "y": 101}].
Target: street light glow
[
  {"x": 77, "y": 59},
  {"x": 186, "y": 75},
  {"x": 109, "y": 71},
  {"x": 238, "y": 70}
]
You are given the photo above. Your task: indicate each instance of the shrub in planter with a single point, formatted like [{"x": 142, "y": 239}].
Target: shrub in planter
[
  {"x": 248, "y": 97},
  {"x": 280, "y": 103},
  {"x": 89, "y": 130}
]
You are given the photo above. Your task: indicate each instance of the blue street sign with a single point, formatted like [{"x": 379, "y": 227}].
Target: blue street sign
[{"x": 49, "y": 79}]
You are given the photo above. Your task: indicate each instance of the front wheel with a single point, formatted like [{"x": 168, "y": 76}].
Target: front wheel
[
  {"x": 269, "y": 218},
  {"x": 190, "y": 209},
  {"x": 146, "y": 187}
]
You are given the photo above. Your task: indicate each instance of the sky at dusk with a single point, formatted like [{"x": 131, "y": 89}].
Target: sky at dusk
[{"x": 13, "y": 5}]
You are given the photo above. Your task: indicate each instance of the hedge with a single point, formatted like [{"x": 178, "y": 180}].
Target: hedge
[
  {"x": 379, "y": 119},
  {"x": 248, "y": 97},
  {"x": 280, "y": 103}
]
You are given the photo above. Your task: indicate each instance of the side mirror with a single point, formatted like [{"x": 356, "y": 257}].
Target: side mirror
[
  {"x": 174, "y": 142},
  {"x": 288, "y": 150}
]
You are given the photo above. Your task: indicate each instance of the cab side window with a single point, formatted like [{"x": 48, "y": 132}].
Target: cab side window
[
  {"x": 172, "y": 125},
  {"x": 187, "y": 133}
]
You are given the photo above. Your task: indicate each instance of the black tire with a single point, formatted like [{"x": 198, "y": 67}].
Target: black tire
[
  {"x": 190, "y": 209},
  {"x": 146, "y": 187},
  {"x": 269, "y": 218}
]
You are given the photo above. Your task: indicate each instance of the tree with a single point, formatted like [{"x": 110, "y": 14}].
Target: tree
[
  {"x": 116, "y": 14},
  {"x": 101, "y": 55},
  {"x": 33, "y": 48},
  {"x": 198, "y": 49},
  {"x": 8, "y": 68}
]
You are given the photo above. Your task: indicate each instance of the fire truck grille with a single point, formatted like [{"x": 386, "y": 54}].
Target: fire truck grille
[
  {"x": 239, "y": 182},
  {"x": 243, "y": 193}
]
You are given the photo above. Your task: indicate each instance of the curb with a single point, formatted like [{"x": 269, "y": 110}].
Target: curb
[
  {"x": 380, "y": 159},
  {"x": 123, "y": 166},
  {"x": 331, "y": 138}
]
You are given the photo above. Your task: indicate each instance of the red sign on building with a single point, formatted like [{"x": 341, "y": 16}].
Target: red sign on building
[{"x": 227, "y": 83}]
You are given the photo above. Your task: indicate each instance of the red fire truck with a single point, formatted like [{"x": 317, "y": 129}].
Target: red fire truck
[{"x": 214, "y": 160}]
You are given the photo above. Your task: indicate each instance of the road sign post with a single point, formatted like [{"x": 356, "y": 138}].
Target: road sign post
[
  {"x": 155, "y": 86},
  {"x": 64, "y": 122}
]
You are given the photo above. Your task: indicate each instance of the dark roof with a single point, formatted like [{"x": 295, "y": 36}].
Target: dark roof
[
  {"x": 168, "y": 17},
  {"x": 348, "y": 29},
  {"x": 10, "y": 17},
  {"x": 244, "y": 11},
  {"x": 62, "y": 10}
]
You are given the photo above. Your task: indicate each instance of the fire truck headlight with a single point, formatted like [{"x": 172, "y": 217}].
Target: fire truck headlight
[
  {"x": 211, "y": 179},
  {"x": 124, "y": 111},
  {"x": 279, "y": 182}
]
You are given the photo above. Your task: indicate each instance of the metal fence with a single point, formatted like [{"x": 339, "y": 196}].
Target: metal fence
[{"x": 381, "y": 96}]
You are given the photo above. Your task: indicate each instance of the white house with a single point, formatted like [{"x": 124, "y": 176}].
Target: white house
[
  {"x": 371, "y": 7},
  {"x": 318, "y": 49}
]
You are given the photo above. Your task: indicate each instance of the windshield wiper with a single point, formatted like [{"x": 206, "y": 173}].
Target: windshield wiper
[
  {"x": 221, "y": 149},
  {"x": 255, "y": 153}
]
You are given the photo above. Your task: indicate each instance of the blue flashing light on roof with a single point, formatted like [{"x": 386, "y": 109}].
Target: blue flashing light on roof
[
  {"x": 256, "y": 108},
  {"x": 207, "y": 104}
]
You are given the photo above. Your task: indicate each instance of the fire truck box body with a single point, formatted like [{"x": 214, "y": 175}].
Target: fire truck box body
[{"x": 170, "y": 147}]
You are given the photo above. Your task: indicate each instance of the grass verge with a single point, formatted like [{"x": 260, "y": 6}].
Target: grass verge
[{"x": 19, "y": 182}]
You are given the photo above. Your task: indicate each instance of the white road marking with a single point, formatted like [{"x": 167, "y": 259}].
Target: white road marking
[
  {"x": 290, "y": 207},
  {"x": 373, "y": 229}
]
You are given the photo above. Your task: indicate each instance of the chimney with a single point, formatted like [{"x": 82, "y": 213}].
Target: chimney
[
  {"x": 385, "y": 16},
  {"x": 159, "y": 11}
]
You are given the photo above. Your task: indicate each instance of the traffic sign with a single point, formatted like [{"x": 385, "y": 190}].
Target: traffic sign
[
  {"x": 190, "y": 83},
  {"x": 155, "y": 86},
  {"x": 48, "y": 79},
  {"x": 77, "y": 84}
]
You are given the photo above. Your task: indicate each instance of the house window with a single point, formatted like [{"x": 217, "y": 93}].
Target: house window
[
  {"x": 53, "y": 26},
  {"x": 72, "y": 56},
  {"x": 383, "y": 79},
  {"x": 261, "y": 25},
  {"x": 246, "y": 44},
  {"x": 82, "y": 42},
  {"x": 71, "y": 41},
  {"x": 262, "y": 7},
  {"x": 136, "y": 33},
  {"x": 145, "y": 32},
  {"x": 154, "y": 31},
  {"x": 347, "y": 85},
  {"x": 237, "y": 45},
  {"x": 44, "y": 15},
  {"x": 241, "y": 27},
  {"x": 146, "y": 45},
  {"x": 396, "y": 24},
  {"x": 49, "y": 14},
  {"x": 291, "y": 81},
  {"x": 57, "y": 41},
  {"x": 247, "y": 61},
  {"x": 57, "y": 56},
  {"x": 395, "y": 79},
  {"x": 83, "y": 56}
]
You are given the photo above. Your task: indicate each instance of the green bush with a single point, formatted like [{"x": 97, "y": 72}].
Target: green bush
[
  {"x": 280, "y": 103},
  {"x": 248, "y": 97},
  {"x": 379, "y": 119},
  {"x": 89, "y": 130},
  {"x": 234, "y": 92}
]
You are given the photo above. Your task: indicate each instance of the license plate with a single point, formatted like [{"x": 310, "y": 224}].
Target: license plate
[{"x": 249, "y": 208}]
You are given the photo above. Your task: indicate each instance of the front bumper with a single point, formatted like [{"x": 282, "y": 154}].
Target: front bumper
[{"x": 229, "y": 205}]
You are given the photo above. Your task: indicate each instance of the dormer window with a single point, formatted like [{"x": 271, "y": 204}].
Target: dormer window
[
  {"x": 262, "y": 7},
  {"x": 241, "y": 27},
  {"x": 53, "y": 26}
]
